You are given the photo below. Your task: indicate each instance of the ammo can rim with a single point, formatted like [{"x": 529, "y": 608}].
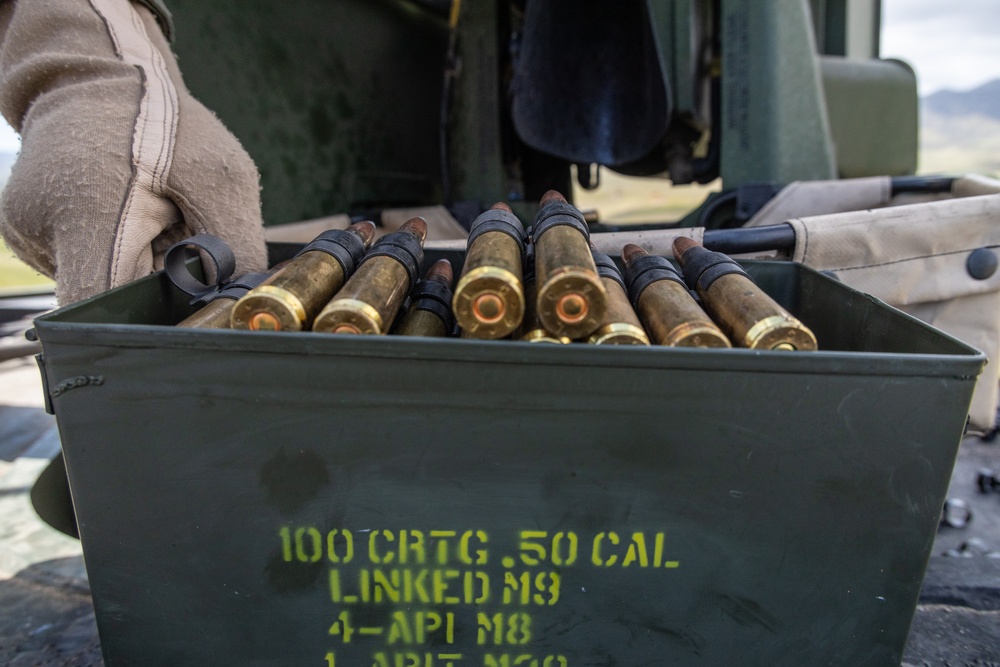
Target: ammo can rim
[{"x": 86, "y": 324}]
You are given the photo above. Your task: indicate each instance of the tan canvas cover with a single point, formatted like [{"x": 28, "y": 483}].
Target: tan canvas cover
[
  {"x": 915, "y": 257},
  {"x": 822, "y": 198}
]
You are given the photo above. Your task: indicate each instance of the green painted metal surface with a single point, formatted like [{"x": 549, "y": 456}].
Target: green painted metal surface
[
  {"x": 337, "y": 102},
  {"x": 340, "y": 103},
  {"x": 872, "y": 106},
  {"x": 307, "y": 499},
  {"x": 774, "y": 120},
  {"x": 476, "y": 108}
]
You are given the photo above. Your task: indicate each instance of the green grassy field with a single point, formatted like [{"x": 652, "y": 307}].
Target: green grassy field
[
  {"x": 956, "y": 146},
  {"x": 15, "y": 275},
  {"x": 623, "y": 200}
]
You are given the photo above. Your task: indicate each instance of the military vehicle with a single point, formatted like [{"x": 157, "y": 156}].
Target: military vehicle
[{"x": 431, "y": 503}]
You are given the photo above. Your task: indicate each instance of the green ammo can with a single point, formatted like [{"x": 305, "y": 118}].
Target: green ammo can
[{"x": 252, "y": 498}]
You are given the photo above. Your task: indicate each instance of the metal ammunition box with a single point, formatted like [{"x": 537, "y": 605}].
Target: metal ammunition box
[{"x": 261, "y": 498}]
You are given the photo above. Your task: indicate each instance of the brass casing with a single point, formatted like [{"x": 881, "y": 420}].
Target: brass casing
[
  {"x": 370, "y": 300},
  {"x": 215, "y": 315},
  {"x": 489, "y": 298},
  {"x": 673, "y": 318},
  {"x": 543, "y": 336},
  {"x": 421, "y": 322},
  {"x": 752, "y": 319},
  {"x": 288, "y": 300},
  {"x": 571, "y": 300},
  {"x": 531, "y": 330},
  {"x": 621, "y": 326}
]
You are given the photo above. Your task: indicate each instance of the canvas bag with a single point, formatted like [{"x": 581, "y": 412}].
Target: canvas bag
[{"x": 916, "y": 257}]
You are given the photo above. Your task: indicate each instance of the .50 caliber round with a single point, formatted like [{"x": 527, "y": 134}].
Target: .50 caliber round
[
  {"x": 531, "y": 330},
  {"x": 489, "y": 297},
  {"x": 217, "y": 313},
  {"x": 671, "y": 315},
  {"x": 370, "y": 300},
  {"x": 288, "y": 300},
  {"x": 571, "y": 300},
  {"x": 429, "y": 313},
  {"x": 620, "y": 325},
  {"x": 750, "y": 317}
]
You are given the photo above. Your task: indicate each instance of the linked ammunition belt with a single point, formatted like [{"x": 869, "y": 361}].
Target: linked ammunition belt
[
  {"x": 645, "y": 271},
  {"x": 346, "y": 248},
  {"x": 560, "y": 299},
  {"x": 496, "y": 220},
  {"x": 434, "y": 297},
  {"x": 404, "y": 248},
  {"x": 222, "y": 259},
  {"x": 606, "y": 268},
  {"x": 706, "y": 267}
]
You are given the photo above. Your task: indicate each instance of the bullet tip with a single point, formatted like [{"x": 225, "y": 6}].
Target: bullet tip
[
  {"x": 551, "y": 195},
  {"x": 682, "y": 244},
  {"x": 417, "y": 227},
  {"x": 632, "y": 252},
  {"x": 441, "y": 272},
  {"x": 500, "y": 206},
  {"x": 364, "y": 229}
]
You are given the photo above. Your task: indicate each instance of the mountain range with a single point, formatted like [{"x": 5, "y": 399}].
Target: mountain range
[
  {"x": 981, "y": 101},
  {"x": 960, "y": 131}
]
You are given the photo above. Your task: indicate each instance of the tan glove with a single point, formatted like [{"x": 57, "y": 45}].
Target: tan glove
[{"x": 117, "y": 160}]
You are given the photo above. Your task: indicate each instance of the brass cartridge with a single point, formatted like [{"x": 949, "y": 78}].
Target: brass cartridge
[
  {"x": 671, "y": 315},
  {"x": 370, "y": 300},
  {"x": 620, "y": 325},
  {"x": 217, "y": 313},
  {"x": 571, "y": 300},
  {"x": 216, "y": 297},
  {"x": 429, "y": 313},
  {"x": 489, "y": 297},
  {"x": 289, "y": 299},
  {"x": 531, "y": 330},
  {"x": 749, "y": 316}
]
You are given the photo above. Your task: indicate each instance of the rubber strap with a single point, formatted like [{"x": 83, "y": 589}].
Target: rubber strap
[
  {"x": 344, "y": 246},
  {"x": 606, "y": 267},
  {"x": 404, "y": 247},
  {"x": 528, "y": 267},
  {"x": 704, "y": 267},
  {"x": 235, "y": 290},
  {"x": 434, "y": 296},
  {"x": 215, "y": 249},
  {"x": 557, "y": 213},
  {"x": 647, "y": 270},
  {"x": 496, "y": 220}
]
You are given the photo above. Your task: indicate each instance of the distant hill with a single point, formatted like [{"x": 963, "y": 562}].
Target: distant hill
[
  {"x": 960, "y": 131},
  {"x": 981, "y": 101}
]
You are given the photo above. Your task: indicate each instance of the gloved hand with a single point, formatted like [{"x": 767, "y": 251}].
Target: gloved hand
[{"x": 118, "y": 160}]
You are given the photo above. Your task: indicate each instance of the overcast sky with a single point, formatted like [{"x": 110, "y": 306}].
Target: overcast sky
[{"x": 953, "y": 44}]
